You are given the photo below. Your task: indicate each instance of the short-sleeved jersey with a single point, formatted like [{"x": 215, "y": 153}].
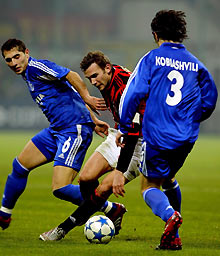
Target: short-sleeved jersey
[
  {"x": 59, "y": 101},
  {"x": 113, "y": 91},
  {"x": 181, "y": 92}
]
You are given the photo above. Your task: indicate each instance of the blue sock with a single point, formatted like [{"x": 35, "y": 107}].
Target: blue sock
[
  {"x": 71, "y": 193},
  {"x": 159, "y": 203},
  {"x": 173, "y": 192},
  {"x": 14, "y": 187}
]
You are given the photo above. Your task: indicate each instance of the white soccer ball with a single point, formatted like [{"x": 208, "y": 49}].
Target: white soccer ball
[{"x": 99, "y": 229}]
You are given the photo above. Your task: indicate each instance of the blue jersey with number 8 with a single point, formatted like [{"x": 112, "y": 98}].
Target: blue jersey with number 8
[{"x": 181, "y": 93}]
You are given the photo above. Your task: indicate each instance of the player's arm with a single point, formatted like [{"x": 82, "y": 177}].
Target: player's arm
[
  {"x": 136, "y": 89},
  {"x": 209, "y": 93},
  {"x": 129, "y": 142},
  {"x": 101, "y": 127},
  {"x": 76, "y": 81}
]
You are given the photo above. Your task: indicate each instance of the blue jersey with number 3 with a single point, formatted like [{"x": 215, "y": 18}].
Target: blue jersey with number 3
[
  {"x": 59, "y": 101},
  {"x": 180, "y": 92}
]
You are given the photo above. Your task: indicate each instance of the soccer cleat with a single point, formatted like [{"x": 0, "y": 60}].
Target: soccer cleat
[
  {"x": 4, "y": 223},
  {"x": 168, "y": 240},
  {"x": 116, "y": 216},
  {"x": 178, "y": 243},
  {"x": 55, "y": 234}
]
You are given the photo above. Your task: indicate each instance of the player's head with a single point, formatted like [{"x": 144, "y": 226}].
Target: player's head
[
  {"x": 97, "y": 68},
  {"x": 169, "y": 25},
  {"x": 16, "y": 55}
]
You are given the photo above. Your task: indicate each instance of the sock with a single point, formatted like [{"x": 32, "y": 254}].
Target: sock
[
  {"x": 14, "y": 187},
  {"x": 69, "y": 193},
  {"x": 88, "y": 187},
  {"x": 159, "y": 203},
  {"x": 108, "y": 207},
  {"x": 173, "y": 192},
  {"x": 83, "y": 212}
]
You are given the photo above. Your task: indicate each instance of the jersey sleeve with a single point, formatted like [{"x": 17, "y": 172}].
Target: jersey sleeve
[
  {"x": 136, "y": 89},
  {"x": 47, "y": 70},
  {"x": 209, "y": 93}
]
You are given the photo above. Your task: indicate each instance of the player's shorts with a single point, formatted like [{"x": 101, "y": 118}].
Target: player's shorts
[
  {"x": 156, "y": 163},
  {"x": 66, "y": 147},
  {"x": 109, "y": 150}
]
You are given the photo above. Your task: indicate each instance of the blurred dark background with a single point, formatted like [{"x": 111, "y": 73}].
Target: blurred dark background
[{"x": 64, "y": 31}]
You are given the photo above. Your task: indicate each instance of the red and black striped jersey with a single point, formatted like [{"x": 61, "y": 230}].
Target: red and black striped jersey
[{"x": 113, "y": 91}]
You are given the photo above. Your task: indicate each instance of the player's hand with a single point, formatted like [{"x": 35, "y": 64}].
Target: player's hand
[
  {"x": 96, "y": 104},
  {"x": 120, "y": 139},
  {"x": 101, "y": 128},
  {"x": 118, "y": 183}
]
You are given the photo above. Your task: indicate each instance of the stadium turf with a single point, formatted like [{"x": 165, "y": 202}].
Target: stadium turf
[{"x": 38, "y": 211}]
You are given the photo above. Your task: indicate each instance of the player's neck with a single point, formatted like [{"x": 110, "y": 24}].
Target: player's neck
[{"x": 161, "y": 41}]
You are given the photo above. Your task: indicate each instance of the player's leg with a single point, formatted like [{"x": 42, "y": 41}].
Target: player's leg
[
  {"x": 155, "y": 167},
  {"x": 94, "y": 168},
  {"x": 62, "y": 185},
  {"x": 99, "y": 163},
  {"x": 29, "y": 158},
  {"x": 114, "y": 211},
  {"x": 172, "y": 190},
  {"x": 72, "y": 146}
]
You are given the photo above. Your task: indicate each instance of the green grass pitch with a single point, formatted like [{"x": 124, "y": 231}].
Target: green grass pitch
[{"x": 38, "y": 210}]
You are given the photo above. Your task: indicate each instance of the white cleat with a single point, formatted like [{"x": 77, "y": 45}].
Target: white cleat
[{"x": 55, "y": 234}]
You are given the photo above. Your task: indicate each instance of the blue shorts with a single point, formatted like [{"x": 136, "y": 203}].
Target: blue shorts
[
  {"x": 158, "y": 163},
  {"x": 66, "y": 147}
]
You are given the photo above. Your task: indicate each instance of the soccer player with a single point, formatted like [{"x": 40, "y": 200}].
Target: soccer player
[
  {"x": 56, "y": 91},
  {"x": 181, "y": 94},
  {"x": 111, "y": 81}
]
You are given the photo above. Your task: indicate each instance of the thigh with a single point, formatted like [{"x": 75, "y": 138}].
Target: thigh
[
  {"x": 154, "y": 164},
  {"x": 94, "y": 167},
  {"x": 109, "y": 150},
  {"x": 72, "y": 147},
  {"x": 45, "y": 141},
  {"x": 62, "y": 176},
  {"x": 31, "y": 156}
]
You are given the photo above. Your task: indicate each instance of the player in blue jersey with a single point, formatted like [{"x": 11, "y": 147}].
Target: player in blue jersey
[
  {"x": 57, "y": 92},
  {"x": 181, "y": 94}
]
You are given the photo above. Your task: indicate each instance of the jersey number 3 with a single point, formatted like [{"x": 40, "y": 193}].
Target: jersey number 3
[{"x": 175, "y": 88}]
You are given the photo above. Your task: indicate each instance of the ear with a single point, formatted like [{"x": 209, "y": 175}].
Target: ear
[
  {"x": 108, "y": 68},
  {"x": 155, "y": 36},
  {"x": 26, "y": 51}
]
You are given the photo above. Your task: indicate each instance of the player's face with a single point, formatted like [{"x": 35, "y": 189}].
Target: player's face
[
  {"x": 97, "y": 76},
  {"x": 16, "y": 60}
]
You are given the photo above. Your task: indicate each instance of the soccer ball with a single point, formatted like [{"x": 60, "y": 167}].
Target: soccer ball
[{"x": 99, "y": 229}]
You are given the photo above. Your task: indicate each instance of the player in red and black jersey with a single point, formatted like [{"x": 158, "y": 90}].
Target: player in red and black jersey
[
  {"x": 111, "y": 81},
  {"x": 114, "y": 89}
]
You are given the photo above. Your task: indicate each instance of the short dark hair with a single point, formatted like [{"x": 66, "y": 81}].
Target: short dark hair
[
  {"x": 97, "y": 57},
  {"x": 13, "y": 43},
  {"x": 170, "y": 25}
]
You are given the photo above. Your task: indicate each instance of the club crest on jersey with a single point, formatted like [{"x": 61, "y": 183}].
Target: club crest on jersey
[{"x": 30, "y": 85}]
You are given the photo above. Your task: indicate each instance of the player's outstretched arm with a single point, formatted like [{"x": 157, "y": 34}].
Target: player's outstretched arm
[{"x": 76, "y": 81}]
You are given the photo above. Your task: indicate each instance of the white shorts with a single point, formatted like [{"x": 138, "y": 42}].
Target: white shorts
[{"x": 111, "y": 152}]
